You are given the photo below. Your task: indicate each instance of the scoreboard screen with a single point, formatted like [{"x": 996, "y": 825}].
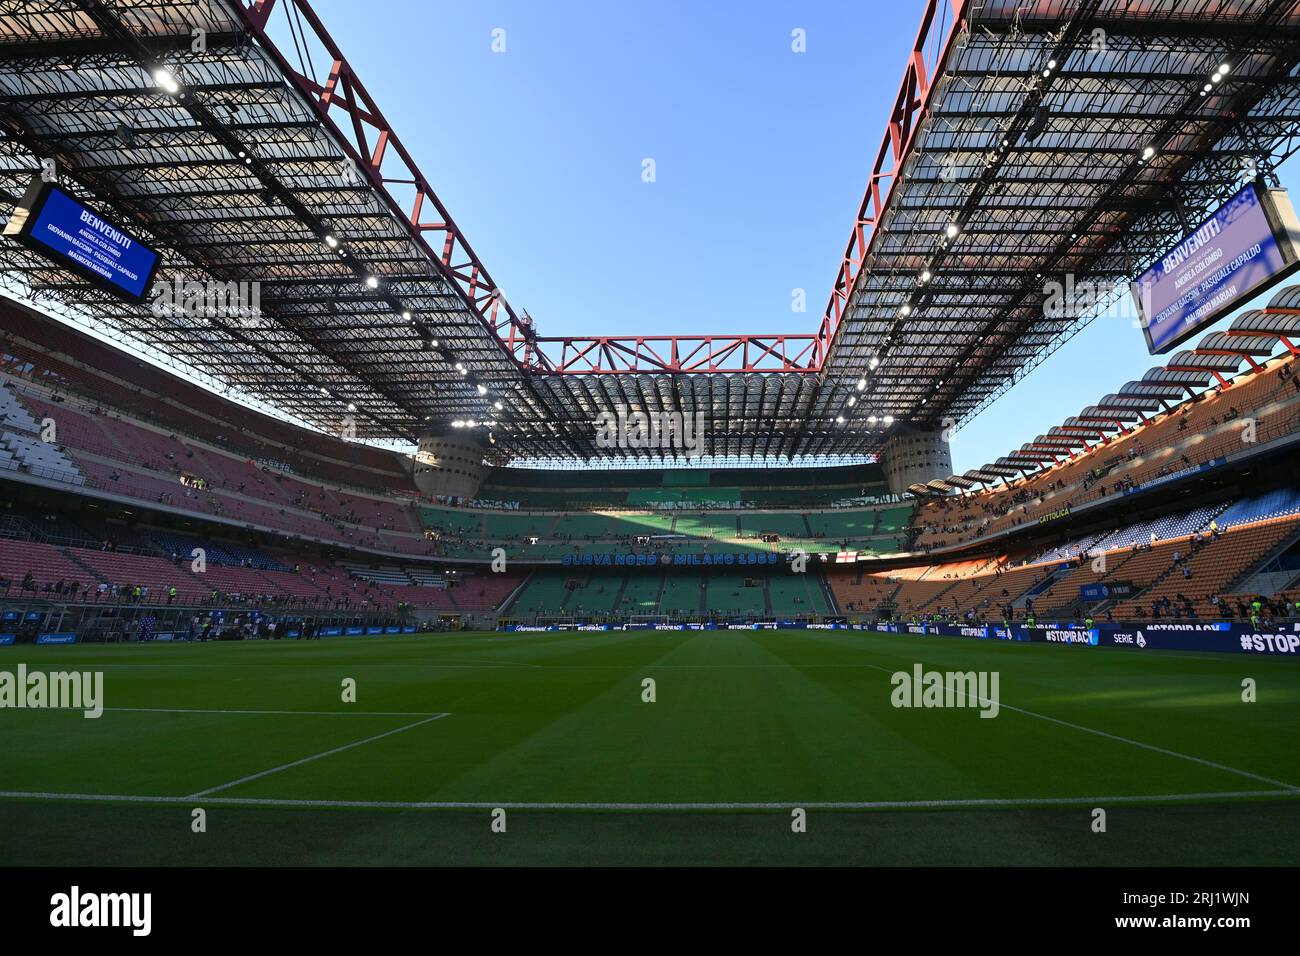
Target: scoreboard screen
[
  {"x": 1249, "y": 244},
  {"x": 70, "y": 233}
]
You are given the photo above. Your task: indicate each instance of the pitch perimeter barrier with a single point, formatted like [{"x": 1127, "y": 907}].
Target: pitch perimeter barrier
[
  {"x": 1209, "y": 636},
  {"x": 1220, "y": 637}
]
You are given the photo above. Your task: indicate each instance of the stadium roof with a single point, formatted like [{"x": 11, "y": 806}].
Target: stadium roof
[
  {"x": 1217, "y": 358},
  {"x": 1020, "y": 125}
]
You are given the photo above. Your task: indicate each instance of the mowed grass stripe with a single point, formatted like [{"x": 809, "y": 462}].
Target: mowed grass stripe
[
  {"x": 313, "y": 757},
  {"x": 956, "y": 751},
  {"x": 500, "y": 716},
  {"x": 712, "y": 735},
  {"x": 1189, "y": 705},
  {"x": 148, "y": 753},
  {"x": 741, "y": 717},
  {"x": 742, "y": 736}
]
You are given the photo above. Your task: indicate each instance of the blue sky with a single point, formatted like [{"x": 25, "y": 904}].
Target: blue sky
[{"x": 761, "y": 158}]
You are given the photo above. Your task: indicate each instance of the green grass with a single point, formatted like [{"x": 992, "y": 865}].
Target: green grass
[{"x": 766, "y": 720}]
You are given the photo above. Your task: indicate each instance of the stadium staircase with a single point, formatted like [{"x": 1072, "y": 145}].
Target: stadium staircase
[
  {"x": 511, "y": 597},
  {"x": 1197, "y": 546},
  {"x": 98, "y": 424},
  {"x": 966, "y": 586},
  {"x": 507, "y": 606},
  {"x": 970, "y": 589},
  {"x": 1031, "y": 593},
  {"x": 1266, "y": 577},
  {"x": 509, "y": 602},
  {"x": 1241, "y": 584},
  {"x": 622, "y": 589},
  {"x": 828, "y": 593},
  {"x": 1074, "y": 578},
  {"x": 94, "y": 575},
  {"x": 568, "y": 602},
  {"x": 931, "y": 603}
]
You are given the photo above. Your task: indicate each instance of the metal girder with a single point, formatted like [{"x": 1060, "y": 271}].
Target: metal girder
[
  {"x": 1071, "y": 201},
  {"x": 720, "y": 354},
  {"x": 378, "y": 151}
]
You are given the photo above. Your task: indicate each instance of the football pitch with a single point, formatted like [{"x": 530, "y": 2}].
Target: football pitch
[{"x": 492, "y": 748}]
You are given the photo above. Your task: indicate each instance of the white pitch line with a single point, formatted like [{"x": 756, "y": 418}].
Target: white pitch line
[
  {"x": 327, "y": 753},
  {"x": 1157, "y": 749},
  {"x": 472, "y": 662},
  {"x": 1129, "y": 740},
  {"x": 305, "y": 665},
  {"x": 960, "y": 803},
  {"x": 281, "y": 713}
]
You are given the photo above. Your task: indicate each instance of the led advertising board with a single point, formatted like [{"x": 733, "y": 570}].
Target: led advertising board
[
  {"x": 1249, "y": 244},
  {"x": 70, "y": 233}
]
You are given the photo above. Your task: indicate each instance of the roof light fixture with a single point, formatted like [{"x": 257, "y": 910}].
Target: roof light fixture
[{"x": 166, "y": 80}]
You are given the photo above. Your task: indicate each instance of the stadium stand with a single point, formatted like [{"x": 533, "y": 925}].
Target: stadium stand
[
  {"x": 1258, "y": 407},
  {"x": 185, "y": 455},
  {"x": 47, "y": 354}
]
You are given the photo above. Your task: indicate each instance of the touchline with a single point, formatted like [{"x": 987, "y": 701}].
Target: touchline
[{"x": 58, "y": 690}]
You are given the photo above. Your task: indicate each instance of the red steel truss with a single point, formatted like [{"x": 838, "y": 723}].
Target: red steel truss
[
  {"x": 367, "y": 136},
  {"x": 371, "y": 142},
  {"x": 626, "y": 354},
  {"x": 909, "y": 110},
  {"x": 245, "y": 175},
  {"x": 615, "y": 355}
]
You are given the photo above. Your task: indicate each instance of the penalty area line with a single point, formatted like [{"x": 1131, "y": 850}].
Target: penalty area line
[
  {"x": 325, "y": 753},
  {"x": 277, "y": 713},
  {"x": 952, "y": 804},
  {"x": 1154, "y": 748}
]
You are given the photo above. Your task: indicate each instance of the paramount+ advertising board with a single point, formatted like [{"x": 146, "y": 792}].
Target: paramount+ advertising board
[{"x": 1250, "y": 243}]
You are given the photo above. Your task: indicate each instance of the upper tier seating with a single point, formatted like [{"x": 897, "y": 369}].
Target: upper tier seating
[
  {"x": 40, "y": 458},
  {"x": 474, "y": 534},
  {"x": 1208, "y": 429},
  {"x": 13, "y": 416},
  {"x": 49, "y": 352}
]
